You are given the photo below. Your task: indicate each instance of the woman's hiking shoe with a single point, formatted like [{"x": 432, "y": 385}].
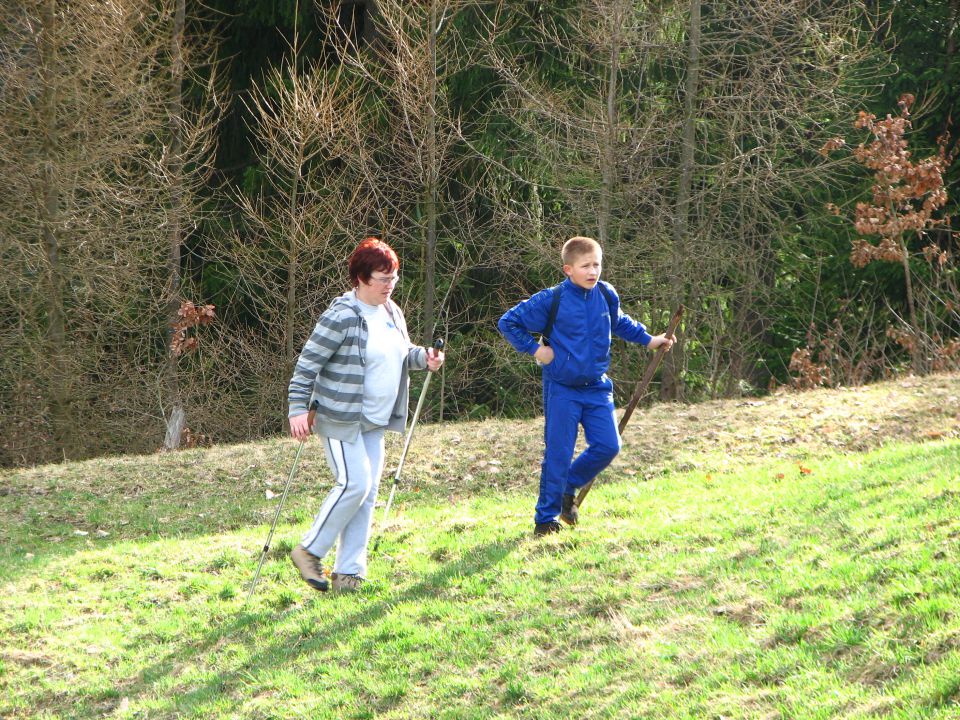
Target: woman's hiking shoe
[
  {"x": 310, "y": 568},
  {"x": 546, "y": 528},
  {"x": 346, "y": 583},
  {"x": 569, "y": 512}
]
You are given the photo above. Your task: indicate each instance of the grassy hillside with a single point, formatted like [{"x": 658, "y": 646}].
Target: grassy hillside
[{"x": 787, "y": 557}]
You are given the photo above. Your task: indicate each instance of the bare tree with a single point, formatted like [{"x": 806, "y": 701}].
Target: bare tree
[
  {"x": 672, "y": 368},
  {"x": 774, "y": 79},
  {"x": 361, "y": 143},
  {"x": 84, "y": 114},
  {"x": 416, "y": 50},
  {"x": 289, "y": 254},
  {"x": 713, "y": 133},
  {"x": 176, "y": 417},
  {"x": 596, "y": 125}
]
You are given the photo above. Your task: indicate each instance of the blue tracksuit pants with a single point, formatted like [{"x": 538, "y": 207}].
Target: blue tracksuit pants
[{"x": 566, "y": 408}]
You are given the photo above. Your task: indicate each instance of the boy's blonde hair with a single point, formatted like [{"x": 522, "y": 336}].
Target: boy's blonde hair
[{"x": 577, "y": 246}]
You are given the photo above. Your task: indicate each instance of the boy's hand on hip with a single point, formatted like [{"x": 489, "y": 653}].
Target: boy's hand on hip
[{"x": 544, "y": 354}]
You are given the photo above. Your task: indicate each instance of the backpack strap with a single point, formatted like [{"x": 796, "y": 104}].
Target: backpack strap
[
  {"x": 552, "y": 315},
  {"x": 609, "y": 299}
]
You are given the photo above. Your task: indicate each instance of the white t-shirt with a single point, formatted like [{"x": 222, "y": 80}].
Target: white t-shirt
[{"x": 386, "y": 353}]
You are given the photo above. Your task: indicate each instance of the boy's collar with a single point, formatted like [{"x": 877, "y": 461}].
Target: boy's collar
[{"x": 569, "y": 281}]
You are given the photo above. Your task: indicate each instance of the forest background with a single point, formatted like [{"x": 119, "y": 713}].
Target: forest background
[{"x": 183, "y": 182}]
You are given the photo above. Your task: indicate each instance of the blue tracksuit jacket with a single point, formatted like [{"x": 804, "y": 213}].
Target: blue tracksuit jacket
[{"x": 581, "y": 332}]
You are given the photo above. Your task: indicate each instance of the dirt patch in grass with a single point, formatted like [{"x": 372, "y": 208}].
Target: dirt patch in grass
[
  {"x": 793, "y": 425},
  {"x": 713, "y": 436},
  {"x": 875, "y": 673},
  {"x": 942, "y": 648},
  {"x": 749, "y": 613},
  {"x": 25, "y": 658}
]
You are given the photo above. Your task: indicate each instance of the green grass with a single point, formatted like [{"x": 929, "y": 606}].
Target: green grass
[{"x": 716, "y": 587}]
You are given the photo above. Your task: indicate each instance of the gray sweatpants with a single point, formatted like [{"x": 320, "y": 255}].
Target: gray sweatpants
[{"x": 347, "y": 512}]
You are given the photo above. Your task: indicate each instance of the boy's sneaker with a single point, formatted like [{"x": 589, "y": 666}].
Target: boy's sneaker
[
  {"x": 310, "y": 568},
  {"x": 569, "y": 512},
  {"x": 546, "y": 528},
  {"x": 346, "y": 583}
]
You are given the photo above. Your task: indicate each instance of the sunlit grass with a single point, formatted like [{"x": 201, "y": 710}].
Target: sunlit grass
[{"x": 803, "y": 585}]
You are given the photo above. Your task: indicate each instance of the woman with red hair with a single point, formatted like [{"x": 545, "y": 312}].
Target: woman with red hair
[{"x": 353, "y": 373}]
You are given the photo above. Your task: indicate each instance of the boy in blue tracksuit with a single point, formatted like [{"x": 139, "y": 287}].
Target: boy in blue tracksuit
[{"x": 576, "y": 389}]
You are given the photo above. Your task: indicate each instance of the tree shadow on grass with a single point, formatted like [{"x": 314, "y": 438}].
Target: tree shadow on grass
[
  {"x": 283, "y": 650},
  {"x": 59, "y": 521},
  {"x": 878, "y": 474}
]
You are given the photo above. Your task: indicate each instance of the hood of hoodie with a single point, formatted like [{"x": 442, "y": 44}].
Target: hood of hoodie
[{"x": 346, "y": 301}]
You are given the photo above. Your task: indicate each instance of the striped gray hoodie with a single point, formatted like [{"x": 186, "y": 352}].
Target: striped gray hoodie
[{"x": 329, "y": 372}]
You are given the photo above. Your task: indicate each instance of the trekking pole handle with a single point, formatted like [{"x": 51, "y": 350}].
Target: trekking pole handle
[{"x": 438, "y": 344}]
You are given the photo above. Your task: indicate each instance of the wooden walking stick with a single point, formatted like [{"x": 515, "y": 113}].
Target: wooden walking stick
[{"x": 639, "y": 392}]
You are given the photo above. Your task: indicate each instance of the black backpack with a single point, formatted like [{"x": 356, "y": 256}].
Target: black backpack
[{"x": 555, "y": 305}]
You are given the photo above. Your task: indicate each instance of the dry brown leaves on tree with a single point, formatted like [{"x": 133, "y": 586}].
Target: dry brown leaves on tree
[{"x": 189, "y": 316}]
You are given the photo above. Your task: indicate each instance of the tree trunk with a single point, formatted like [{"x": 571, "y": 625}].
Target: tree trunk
[
  {"x": 672, "y": 387},
  {"x": 293, "y": 221},
  {"x": 50, "y": 225},
  {"x": 949, "y": 54},
  {"x": 429, "y": 271},
  {"x": 176, "y": 419},
  {"x": 916, "y": 350},
  {"x": 293, "y": 262},
  {"x": 750, "y": 326},
  {"x": 608, "y": 154}
]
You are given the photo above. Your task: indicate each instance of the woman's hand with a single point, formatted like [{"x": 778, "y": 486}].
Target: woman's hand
[
  {"x": 435, "y": 359},
  {"x": 300, "y": 426}
]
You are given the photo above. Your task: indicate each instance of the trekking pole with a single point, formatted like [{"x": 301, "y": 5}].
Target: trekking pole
[
  {"x": 639, "y": 392},
  {"x": 283, "y": 498},
  {"x": 438, "y": 345}
]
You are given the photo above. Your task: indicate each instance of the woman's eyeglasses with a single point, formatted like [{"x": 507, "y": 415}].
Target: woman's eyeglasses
[{"x": 385, "y": 280}]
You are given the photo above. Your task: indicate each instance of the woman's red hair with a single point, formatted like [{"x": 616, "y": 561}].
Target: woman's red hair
[{"x": 371, "y": 255}]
